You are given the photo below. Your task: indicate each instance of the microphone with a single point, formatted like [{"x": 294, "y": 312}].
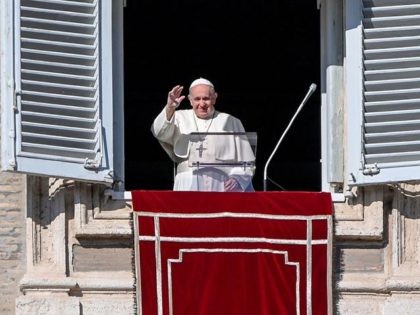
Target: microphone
[{"x": 311, "y": 90}]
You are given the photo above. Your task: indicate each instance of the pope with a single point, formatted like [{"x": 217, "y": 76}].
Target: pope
[{"x": 174, "y": 128}]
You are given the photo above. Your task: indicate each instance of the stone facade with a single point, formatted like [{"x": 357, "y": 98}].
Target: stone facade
[
  {"x": 80, "y": 256},
  {"x": 12, "y": 239},
  {"x": 376, "y": 251},
  {"x": 67, "y": 248}
]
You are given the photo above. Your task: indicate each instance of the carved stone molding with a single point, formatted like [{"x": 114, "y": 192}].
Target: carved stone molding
[
  {"x": 405, "y": 232},
  {"x": 63, "y": 215},
  {"x": 400, "y": 276},
  {"x": 96, "y": 214},
  {"x": 362, "y": 217},
  {"x": 46, "y": 234}
]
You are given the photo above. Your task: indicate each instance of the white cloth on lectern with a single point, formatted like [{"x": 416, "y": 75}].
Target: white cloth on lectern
[{"x": 174, "y": 136}]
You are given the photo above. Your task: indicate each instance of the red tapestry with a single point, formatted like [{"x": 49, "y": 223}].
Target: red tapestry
[{"x": 212, "y": 253}]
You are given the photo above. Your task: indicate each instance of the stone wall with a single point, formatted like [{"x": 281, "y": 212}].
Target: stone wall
[
  {"x": 79, "y": 250},
  {"x": 80, "y": 255},
  {"x": 12, "y": 239},
  {"x": 377, "y": 252}
]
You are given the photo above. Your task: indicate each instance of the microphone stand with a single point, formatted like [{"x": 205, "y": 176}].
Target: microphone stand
[{"x": 311, "y": 90}]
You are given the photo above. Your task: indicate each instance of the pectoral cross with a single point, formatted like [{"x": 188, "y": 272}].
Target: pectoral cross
[{"x": 200, "y": 150}]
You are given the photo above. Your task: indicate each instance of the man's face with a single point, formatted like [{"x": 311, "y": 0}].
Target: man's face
[{"x": 202, "y": 99}]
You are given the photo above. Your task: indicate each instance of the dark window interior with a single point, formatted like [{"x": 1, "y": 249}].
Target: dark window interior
[{"x": 262, "y": 57}]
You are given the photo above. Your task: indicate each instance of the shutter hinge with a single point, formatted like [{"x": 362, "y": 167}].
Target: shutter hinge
[
  {"x": 371, "y": 170},
  {"x": 12, "y": 164},
  {"x": 93, "y": 164},
  {"x": 15, "y": 101}
]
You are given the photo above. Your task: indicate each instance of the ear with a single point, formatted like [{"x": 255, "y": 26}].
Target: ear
[{"x": 190, "y": 99}]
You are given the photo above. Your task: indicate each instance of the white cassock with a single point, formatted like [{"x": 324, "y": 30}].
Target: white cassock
[{"x": 174, "y": 136}]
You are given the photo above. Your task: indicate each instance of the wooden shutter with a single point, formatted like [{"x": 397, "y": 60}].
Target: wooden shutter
[
  {"x": 390, "y": 104},
  {"x": 61, "y": 77}
]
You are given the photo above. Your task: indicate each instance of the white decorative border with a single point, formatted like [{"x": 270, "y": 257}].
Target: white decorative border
[
  {"x": 308, "y": 242},
  {"x": 232, "y": 250},
  {"x": 231, "y": 215}
]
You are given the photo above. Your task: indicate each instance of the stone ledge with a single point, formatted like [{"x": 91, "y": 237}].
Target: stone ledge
[
  {"x": 102, "y": 232},
  {"x": 47, "y": 283},
  {"x": 374, "y": 283},
  {"x": 121, "y": 281}
]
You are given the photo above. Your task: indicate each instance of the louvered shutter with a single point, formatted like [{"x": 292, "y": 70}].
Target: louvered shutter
[
  {"x": 64, "y": 89},
  {"x": 389, "y": 143}
]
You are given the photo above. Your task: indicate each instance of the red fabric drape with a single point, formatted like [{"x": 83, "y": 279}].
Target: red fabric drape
[
  {"x": 233, "y": 253},
  {"x": 296, "y": 203}
]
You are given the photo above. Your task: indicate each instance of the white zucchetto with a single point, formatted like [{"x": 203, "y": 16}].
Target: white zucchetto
[{"x": 201, "y": 81}]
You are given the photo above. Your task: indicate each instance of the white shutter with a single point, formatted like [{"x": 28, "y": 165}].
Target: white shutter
[
  {"x": 63, "y": 65},
  {"x": 390, "y": 104}
]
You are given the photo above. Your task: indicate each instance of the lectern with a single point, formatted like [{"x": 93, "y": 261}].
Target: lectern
[{"x": 211, "y": 158}]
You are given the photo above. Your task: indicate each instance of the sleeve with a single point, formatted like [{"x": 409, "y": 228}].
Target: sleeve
[
  {"x": 163, "y": 129},
  {"x": 243, "y": 177},
  {"x": 175, "y": 144},
  {"x": 165, "y": 132}
]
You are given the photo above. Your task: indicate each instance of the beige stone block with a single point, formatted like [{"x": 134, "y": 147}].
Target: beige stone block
[
  {"x": 363, "y": 217},
  {"x": 48, "y": 305},
  {"x": 102, "y": 259},
  {"x": 361, "y": 304},
  {"x": 403, "y": 304},
  {"x": 109, "y": 305},
  {"x": 361, "y": 259}
]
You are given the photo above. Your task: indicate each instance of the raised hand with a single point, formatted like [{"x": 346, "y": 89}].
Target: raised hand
[
  {"x": 174, "y": 100},
  {"x": 174, "y": 96}
]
